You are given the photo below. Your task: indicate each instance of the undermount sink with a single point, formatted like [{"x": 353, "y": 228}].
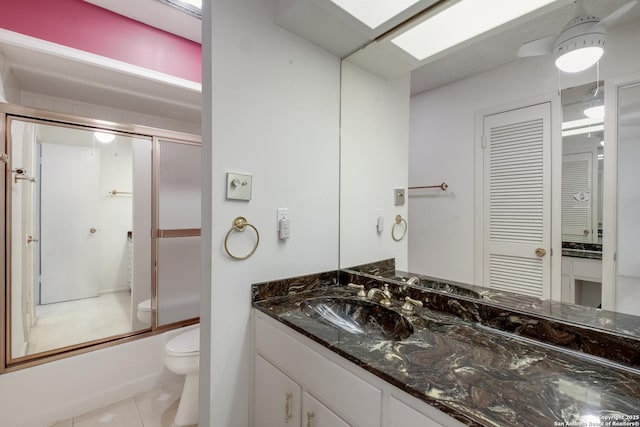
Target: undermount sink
[{"x": 358, "y": 317}]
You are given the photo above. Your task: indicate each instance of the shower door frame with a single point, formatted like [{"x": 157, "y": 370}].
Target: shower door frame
[{"x": 9, "y": 112}]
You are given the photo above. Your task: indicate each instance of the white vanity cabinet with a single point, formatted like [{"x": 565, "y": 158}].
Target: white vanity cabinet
[
  {"x": 582, "y": 281},
  {"x": 401, "y": 415},
  {"x": 298, "y": 382},
  {"x": 280, "y": 402},
  {"x": 315, "y": 414},
  {"x": 277, "y": 397}
]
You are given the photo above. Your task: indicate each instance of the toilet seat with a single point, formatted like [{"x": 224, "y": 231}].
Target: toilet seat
[
  {"x": 145, "y": 305},
  {"x": 186, "y": 344}
]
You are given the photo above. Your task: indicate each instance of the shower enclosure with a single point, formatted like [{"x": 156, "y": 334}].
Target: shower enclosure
[{"x": 99, "y": 217}]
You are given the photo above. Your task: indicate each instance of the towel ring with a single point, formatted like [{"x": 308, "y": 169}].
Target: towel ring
[
  {"x": 240, "y": 224},
  {"x": 399, "y": 220}
]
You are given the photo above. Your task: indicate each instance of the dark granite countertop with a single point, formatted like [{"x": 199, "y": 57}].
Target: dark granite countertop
[
  {"x": 477, "y": 374},
  {"x": 582, "y": 250}
]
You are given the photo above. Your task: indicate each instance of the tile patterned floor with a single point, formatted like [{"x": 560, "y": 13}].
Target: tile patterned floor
[
  {"x": 155, "y": 408},
  {"x": 71, "y": 322}
]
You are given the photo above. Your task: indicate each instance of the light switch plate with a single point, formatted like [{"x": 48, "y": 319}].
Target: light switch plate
[
  {"x": 398, "y": 195},
  {"x": 238, "y": 186}
]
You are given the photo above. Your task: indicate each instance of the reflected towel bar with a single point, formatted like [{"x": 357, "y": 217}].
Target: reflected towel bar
[
  {"x": 116, "y": 192},
  {"x": 442, "y": 186}
]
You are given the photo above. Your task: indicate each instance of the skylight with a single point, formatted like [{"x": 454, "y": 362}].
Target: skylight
[
  {"x": 192, "y": 7},
  {"x": 460, "y": 22},
  {"x": 374, "y": 13}
]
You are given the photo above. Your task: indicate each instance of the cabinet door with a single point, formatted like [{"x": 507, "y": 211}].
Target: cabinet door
[
  {"x": 401, "y": 415},
  {"x": 277, "y": 397},
  {"x": 315, "y": 414}
]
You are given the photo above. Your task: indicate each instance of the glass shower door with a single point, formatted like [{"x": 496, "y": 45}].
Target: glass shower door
[{"x": 178, "y": 235}]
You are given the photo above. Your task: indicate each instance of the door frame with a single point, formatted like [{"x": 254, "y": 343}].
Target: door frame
[
  {"x": 610, "y": 193},
  {"x": 553, "y": 98}
]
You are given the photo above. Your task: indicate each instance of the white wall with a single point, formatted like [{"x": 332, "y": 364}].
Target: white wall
[
  {"x": 441, "y": 148},
  {"x": 116, "y": 212},
  {"x": 9, "y": 88},
  {"x": 41, "y": 395},
  {"x": 271, "y": 109},
  {"x": 96, "y": 111},
  {"x": 374, "y": 142}
]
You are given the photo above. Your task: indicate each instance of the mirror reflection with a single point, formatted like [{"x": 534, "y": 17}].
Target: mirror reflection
[
  {"x": 452, "y": 98},
  {"x": 582, "y": 193},
  {"x": 76, "y": 257}
]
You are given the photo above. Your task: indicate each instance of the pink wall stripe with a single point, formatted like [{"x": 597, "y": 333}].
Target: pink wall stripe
[{"x": 84, "y": 26}]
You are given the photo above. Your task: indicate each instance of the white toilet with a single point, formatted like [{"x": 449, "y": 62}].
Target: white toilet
[
  {"x": 182, "y": 356},
  {"x": 144, "y": 312}
]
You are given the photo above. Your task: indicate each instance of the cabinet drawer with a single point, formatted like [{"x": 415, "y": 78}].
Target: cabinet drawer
[
  {"x": 351, "y": 398},
  {"x": 588, "y": 269}
]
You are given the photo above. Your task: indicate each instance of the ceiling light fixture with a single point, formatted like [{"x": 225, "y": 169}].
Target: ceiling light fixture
[
  {"x": 593, "y": 103},
  {"x": 571, "y": 124},
  {"x": 580, "y": 131},
  {"x": 374, "y": 13},
  {"x": 104, "y": 137},
  {"x": 580, "y": 44},
  {"x": 460, "y": 22}
]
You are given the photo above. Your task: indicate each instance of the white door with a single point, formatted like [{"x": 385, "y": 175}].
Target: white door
[
  {"x": 577, "y": 197},
  {"x": 69, "y": 229},
  {"x": 277, "y": 397},
  {"x": 517, "y": 200}
]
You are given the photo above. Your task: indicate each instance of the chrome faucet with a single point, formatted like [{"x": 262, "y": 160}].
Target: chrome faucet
[
  {"x": 413, "y": 281},
  {"x": 410, "y": 304},
  {"x": 386, "y": 295}
]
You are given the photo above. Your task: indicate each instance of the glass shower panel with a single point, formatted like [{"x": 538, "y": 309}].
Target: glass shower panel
[
  {"x": 178, "y": 243},
  {"x": 628, "y": 258}
]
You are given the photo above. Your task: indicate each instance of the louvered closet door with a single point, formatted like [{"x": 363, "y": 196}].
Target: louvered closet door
[
  {"x": 517, "y": 200},
  {"x": 577, "y": 200}
]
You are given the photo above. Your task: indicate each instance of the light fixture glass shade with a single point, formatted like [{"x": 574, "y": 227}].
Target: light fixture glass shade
[
  {"x": 596, "y": 112},
  {"x": 104, "y": 137},
  {"x": 579, "y": 59},
  {"x": 593, "y": 102}
]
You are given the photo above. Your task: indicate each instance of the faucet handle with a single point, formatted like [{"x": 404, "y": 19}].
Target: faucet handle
[
  {"x": 361, "y": 292},
  {"x": 410, "y": 304},
  {"x": 386, "y": 291}
]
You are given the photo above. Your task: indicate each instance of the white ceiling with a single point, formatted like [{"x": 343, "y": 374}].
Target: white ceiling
[
  {"x": 156, "y": 14},
  {"x": 37, "y": 68},
  {"x": 322, "y": 23},
  {"x": 318, "y": 21}
]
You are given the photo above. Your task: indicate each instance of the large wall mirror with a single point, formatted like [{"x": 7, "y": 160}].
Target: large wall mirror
[
  {"x": 93, "y": 215},
  {"x": 594, "y": 183},
  {"x": 582, "y": 193}
]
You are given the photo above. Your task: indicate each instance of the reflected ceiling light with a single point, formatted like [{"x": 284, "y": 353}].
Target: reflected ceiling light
[
  {"x": 104, "y": 137},
  {"x": 580, "y": 131},
  {"x": 460, "y": 22},
  {"x": 581, "y": 123},
  {"x": 593, "y": 103},
  {"x": 374, "y": 13},
  {"x": 580, "y": 44},
  {"x": 602, "y": 143}
]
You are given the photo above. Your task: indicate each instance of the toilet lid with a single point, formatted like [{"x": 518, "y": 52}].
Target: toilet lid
[
  {"x": 145, "y": 305},
  {"x": 185, "y": 344}
]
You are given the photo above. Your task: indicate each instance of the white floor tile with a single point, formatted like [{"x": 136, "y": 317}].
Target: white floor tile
[
  {"x": 120, "y": 414},
  {"x": 73, "y": 322}
]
